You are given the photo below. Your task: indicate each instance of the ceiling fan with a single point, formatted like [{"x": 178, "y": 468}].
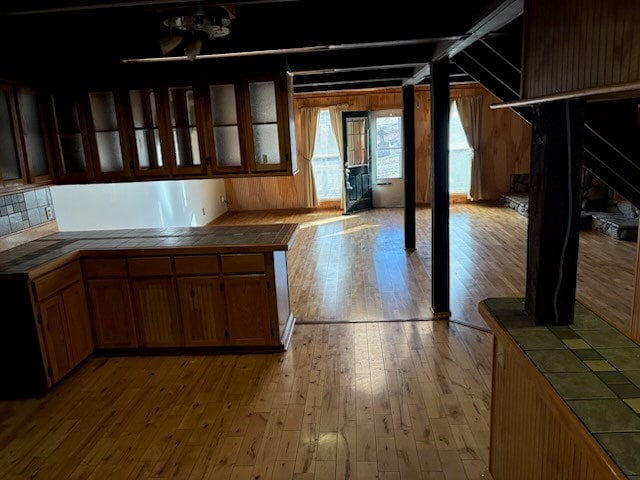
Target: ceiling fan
[{"x": 200, "y": 24}]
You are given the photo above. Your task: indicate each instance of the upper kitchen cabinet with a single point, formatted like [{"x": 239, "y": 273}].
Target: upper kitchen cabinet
[
  {"x": 110, "y": 151},
  {"x": 73, "y": 153},
  {"x": 225, "y": 134},
  {"x": 184, "y": 132},
  {"x": 91, "y": 136},
  {"x": 25, "y": 155},
  {"x": 32, "y": 120},
  {"x": 12, "y": 168},
  {"x": 251, "y": 130},
  {"x": 165, "y": 126}
]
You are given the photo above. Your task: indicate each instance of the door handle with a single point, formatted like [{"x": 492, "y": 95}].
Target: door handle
[
  {"x": 384, "y": 183},
  {"x": 349, "y": 187}
]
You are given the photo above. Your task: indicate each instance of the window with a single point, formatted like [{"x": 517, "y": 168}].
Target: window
[
  {"x": 327, "y": 166},
  {"x": 460, "y": 155},
  {"x": 388, "y": 142}
]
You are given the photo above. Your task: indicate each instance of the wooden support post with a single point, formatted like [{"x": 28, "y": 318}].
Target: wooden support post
[
  {"x": 557, "y": 150},
  {"x": 440, "y": 188},
  {"x": 409, "y": 157}
]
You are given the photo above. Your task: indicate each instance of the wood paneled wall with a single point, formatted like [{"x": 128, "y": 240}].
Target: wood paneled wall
[
  {"x": 505, "y": 146},
  {"x": 534, "y": 434},
  {"x": 579, "y": 44}
]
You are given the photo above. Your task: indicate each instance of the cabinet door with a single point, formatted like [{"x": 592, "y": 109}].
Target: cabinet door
[
  {"x": 73, "y": 152},
  {"x": 248, "y": 312},
  {"x": 79, "y": 336},
  {"x": 225, "y": 129},
  {"x": 202, "y": 308},
  {"x": 12, "y": 170},
  {"x": 36, "y": 149},
  {"x": 55, "y": 337},
  {"x": 151, "y": 146},
  {"x": 265, "y": 116},
  {"x": 111, "y": 313},
  {"x": 184, "y": 130},
  {"x": 110, "y": 152},
  {"x": 156, "y": 312}
]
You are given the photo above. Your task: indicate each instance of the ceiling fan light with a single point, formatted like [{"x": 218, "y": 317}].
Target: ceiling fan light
[
  {"x": 169, "y": 43},
  {"x": 193, "y": 49}
]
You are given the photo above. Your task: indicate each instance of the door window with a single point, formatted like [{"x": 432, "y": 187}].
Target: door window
[{"x": 327, "y": 168}]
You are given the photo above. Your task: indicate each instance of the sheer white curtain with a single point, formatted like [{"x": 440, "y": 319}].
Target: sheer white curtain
[
  {"x": 335, "y": 112},
  {"x": 309, "y": 127},
  {"x": 469, "y": 109}
]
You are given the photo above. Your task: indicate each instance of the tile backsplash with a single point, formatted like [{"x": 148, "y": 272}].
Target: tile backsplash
[{"x": 19, "y": 211}]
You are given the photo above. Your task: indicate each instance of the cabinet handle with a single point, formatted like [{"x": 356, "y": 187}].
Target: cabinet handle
[{"x": 226, "y": 333}]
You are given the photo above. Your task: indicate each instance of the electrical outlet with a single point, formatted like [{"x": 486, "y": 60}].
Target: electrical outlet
[
  {"x": 222, "y": 199},
  {"x": 203, "y": 211},
  {"x": 48, "y": 212}
]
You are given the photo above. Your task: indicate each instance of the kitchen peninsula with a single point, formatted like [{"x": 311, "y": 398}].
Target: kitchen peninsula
[{"x": 169, "y": 290}]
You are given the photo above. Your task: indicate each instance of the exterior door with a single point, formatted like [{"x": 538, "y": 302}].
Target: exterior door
[
  {"x": 357, "y": 155},
  {"x": 387, "y": 165}
]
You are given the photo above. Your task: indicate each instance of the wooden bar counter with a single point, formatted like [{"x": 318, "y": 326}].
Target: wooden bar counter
[
  {"x": 565, "y": 400},
  {"x": 174, "y": 290}
]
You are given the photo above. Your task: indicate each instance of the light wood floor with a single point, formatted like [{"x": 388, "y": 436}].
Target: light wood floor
[
  {"x": 350, "y": 401},
  {"x": 386, "y": 400},
  {"x": 354, "y": 268}
]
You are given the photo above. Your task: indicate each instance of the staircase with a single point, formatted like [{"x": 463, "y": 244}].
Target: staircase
[{"x": 610, "y": 151}]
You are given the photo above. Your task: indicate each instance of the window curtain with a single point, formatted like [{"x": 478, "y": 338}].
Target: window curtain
[
  {"x": 469, "y": 109},
  {"x": 309, "y": 127},
  {"x": 335, "y": 112}
]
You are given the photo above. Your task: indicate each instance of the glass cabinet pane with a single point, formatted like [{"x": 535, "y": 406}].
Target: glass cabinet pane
[
  {"x": 263, "y": 102},
  {"x": 223, "y": 104},
  {"x": 33, "y": 136},
  {"x": 145, "y": 123},
  {"x": 149, "y": 149},
  {"x": 71, "y": 144},
  {"x": 266, "y": 145},
  {"x": 103, "y": 110},
  {"x": 105, "y": 122},
  {"x": 109, "y": 151},
  {"x": 67, "y": 118},
  {"x": 9, "y": 165},
  {"x": 227, "y": 141},
  {"x": 183, "y": 123},
  {"x": 73, "y": 160}
]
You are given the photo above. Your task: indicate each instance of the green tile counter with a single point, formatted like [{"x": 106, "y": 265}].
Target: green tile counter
[{"x": 565, "y": 400}]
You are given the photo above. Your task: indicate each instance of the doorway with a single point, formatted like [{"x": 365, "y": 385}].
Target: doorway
[
  {"x": 356, "y": 132},
  {"x": 387, "y": 165}
]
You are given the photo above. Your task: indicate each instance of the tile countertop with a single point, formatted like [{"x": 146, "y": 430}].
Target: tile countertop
[
  {"x": 212, "y": 239},
  {"x": 592, "y": 366}
]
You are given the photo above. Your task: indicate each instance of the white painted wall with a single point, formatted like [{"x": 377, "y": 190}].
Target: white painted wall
[{"x": 174, "y": 203}]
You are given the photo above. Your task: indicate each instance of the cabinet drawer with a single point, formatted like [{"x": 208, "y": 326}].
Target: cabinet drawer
[
  {"x": 55, "y": 281},
  {"x": 104, "y": 267},
  {"x": 243, "y": 263},
  {"x": 196, "y": 264},
  {"x": 150, "y": 266}
]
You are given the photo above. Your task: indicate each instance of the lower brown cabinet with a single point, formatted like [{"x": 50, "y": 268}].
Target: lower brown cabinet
[
  {"x": 110, "y": 302},
  {"x": 155, "y": 307},
  {"x": 248, "y": 312},
  {"x": 64, "y": 319},
  {"x": 202, "y": 309}
]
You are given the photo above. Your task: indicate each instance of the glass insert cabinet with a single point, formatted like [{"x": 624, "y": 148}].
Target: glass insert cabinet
[{"x": 233, "y": 127}]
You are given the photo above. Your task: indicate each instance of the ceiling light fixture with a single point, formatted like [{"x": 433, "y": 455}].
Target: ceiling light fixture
[{"x": 199, "y": 25}]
